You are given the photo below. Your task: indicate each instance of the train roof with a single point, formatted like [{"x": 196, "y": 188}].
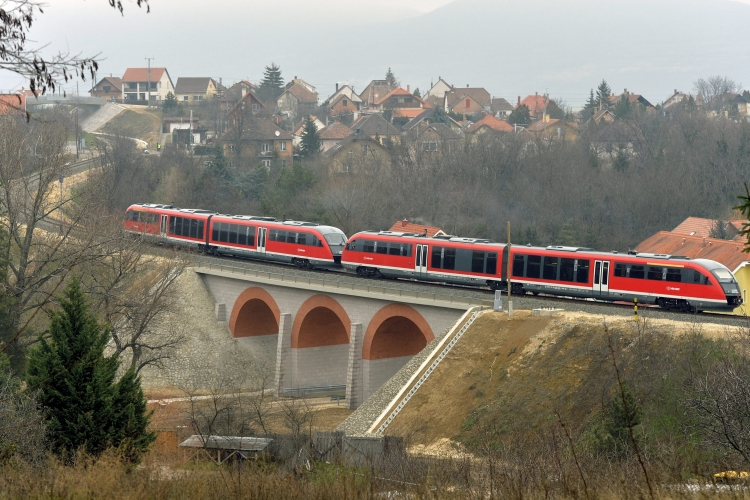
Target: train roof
[
  {"x": 156, "y": 206},
  {"x": 434, "y": 239}
]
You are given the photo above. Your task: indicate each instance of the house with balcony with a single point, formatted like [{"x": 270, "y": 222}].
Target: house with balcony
[
  {"x": 140, "y": 84},
  {"x": 259, "y": 141}
]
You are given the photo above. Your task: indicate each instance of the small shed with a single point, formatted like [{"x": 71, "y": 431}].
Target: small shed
[{"x": 223, "y": 448}]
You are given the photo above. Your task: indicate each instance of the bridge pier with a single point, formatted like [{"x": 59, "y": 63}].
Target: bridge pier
[
  {"x": 354, "y": 390},
  {"x": 284, "y": 345}
]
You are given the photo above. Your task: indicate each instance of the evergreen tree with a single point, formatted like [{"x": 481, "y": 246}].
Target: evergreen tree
[
  {"x": 417, "y": 93},
  {"x": 85, "y": 408},
  {"x": 520, "y": 116},
  {"x": 603, "y": 93},
  {"x": 622, "y": 109},
  {"x": 390, "y": 79},
  {"x": 272, "y": 83},
  {"x": 440, "y": 116},
  {"x": 310, "y": 143},
  {"x": 170, "y": 104}
]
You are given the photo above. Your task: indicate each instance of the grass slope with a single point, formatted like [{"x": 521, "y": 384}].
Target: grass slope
[{"x": 140, "y": 123}]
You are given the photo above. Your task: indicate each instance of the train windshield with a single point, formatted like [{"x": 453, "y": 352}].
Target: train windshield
[
  {"x": 723, "y": 275},
  {"x": 333, "y": 236}
]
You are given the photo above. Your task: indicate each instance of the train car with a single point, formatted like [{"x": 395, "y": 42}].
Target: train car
[
  {"x": 672, "y": 282},
  {"x": 304, "y": 244}
]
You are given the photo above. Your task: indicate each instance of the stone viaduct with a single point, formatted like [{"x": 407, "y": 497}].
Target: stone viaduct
[{"x": 333, "y": 336}]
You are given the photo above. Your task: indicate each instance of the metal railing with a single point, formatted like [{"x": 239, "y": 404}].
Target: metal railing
[{"x": 336, "y": 282}]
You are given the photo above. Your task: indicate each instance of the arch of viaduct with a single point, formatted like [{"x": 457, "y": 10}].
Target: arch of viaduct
[{"x": 326, "y": 341}]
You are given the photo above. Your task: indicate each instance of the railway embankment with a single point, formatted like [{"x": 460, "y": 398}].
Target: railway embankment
[{"x": 514, "y": 379}]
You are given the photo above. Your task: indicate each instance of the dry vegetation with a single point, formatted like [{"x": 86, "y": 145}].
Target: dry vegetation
[{"x": 139, "y": 122}]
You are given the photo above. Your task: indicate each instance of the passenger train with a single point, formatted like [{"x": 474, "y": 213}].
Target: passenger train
[
  {"x": 672, "y": 282},
  {"x": 304, "y": 244}
]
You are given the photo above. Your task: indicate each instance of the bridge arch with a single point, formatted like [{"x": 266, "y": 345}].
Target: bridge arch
[
  {"x": 396, "y": 330},
  {"x": 255, "y": 312},
  {"x": 320, "y": 321}
]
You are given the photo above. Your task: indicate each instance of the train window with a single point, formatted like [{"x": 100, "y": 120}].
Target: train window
[
  {"x": 314, "y": 241},
  {"x": 699, "y": 278},
  {"x": 233, "y": 233},
  {"x": 550, "y": 268},
  {"x": 291, "y": 237},
  {"x": 463, "y": 260},
  {"x": 491, "y": 263},
  {"x": 449, "y": 258},
  {"x": 534, "y": 266},
  {"x": 368, "y": 246},
  {"x": 656, "y": 273},
  {"x": 352, "y": 245},
  {"x": 130, "y": 215},
  {"x": 273, "y": 235},
  {"x": 437, "y": 257},
  {"x": 301, "y": 238},
  {"x": 621, "y": 270},
  {"x": 582, "y": 271},
  {"x": 477, "y": 262},
  {"x": 674, "y": 274},
  {"x": 215, "y": 231},
  {"x": 567, "y": 269},
  {"x": 224, "y": 232},
  {"x": 242, "y": 235},
  {"x": 395, "y": 249},
  {"x": 519, "y": 261},
  {"x": 637, "y": 272},
  {"x": 381, "y": 247}
]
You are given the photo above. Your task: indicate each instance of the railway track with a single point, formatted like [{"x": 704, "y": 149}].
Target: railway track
[{"x": 526, "y": 301}]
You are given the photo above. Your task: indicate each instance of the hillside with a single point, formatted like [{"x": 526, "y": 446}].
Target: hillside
[
  {"x": 503, "y": 383},
  {"x": 137, "y": 122}
]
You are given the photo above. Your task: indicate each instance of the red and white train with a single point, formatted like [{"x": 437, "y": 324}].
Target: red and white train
[
  {"x": 304, "y": 244},
  {"x": 669, "y": 281}
]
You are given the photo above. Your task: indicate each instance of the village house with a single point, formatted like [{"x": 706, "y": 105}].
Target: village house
[
  {"x": 344, "y": 108},
  {"x": 633, "y": 99},
  {"x": 109, "y": 87},
  {"x": 376, "y": 128},
  {"x": 399, "y": 98},
  {"x": 235, "y": 93},
  {"x": 347, "y": 92},
  {"x": 195, "y": 89},
  {"x": 435, "y": 138},
  {"x": 536, "y": 103},
  {"x": 296, "y": 100},
  {"x": 135, "y": 84},
  {"x": 438, "y": 90},
  {"x": 426, "y": 117},
  {"x": 11, "y": 104},
  {"x": 675, "y": 99},
  {"x": 261, "y": 139},
  {"x": 374, "y": 91},
  {"x": 601, "y": 116},
  {"x": 297, "y": 135},
  {"x": 500, "y": 107},
  {"x": 299, "y": 81},
  {"x": 489, "y": 125},
  {"x": 405, "y": 226},
  {"x": 468, "y": 101},
  {"x": 552, "y": 129},
  {"x": 357, "y": 154},
  {"x": 333, "y": 134}
]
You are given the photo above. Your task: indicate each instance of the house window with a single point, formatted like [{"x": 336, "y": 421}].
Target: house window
[
  {"x": 282, "y": 146},
  {"x": 429, "y": 146},
  {"x": 153, "y": 85},
  {"x": 468, "y": 103},
  {"x": 255, "y": 106},
  {"x": 267, "y": 164},
  {"x": 185, "y": 98},
  {"x": 345, "y": 102},
  {"x": 107, "y": 88},
  {"x": 231, "y": 148},
  {"x": 197, "y": 97},
  {"x": 364, "y": 149},
  {"x": 401, "y": 100},
  {"x": 265, "y": 147}
]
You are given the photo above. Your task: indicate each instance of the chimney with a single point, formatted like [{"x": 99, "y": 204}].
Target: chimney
[
  {"x": 625, "y": 92},
  {"x": 408, "y": 88},
  {"x": 467, "y": 85},
  {"x": 404, "y": 223},
  {"x": 519, "y": 100},
  {"x": 675, "y": 91},
  {"x": 704, "y": 243},
  {"x": 244, "y": 91},
  {"x": 295, "y": 77},
  {"x": 337, "y": 86},
  {"x": 683, "y": 240}
]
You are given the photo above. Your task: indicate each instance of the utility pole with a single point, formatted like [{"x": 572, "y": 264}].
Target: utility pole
[
  {"x": 148, "y": 103},
  {"x": 78, "y": 137}
]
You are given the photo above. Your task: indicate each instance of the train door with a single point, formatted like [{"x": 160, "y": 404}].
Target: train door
[
  {"x": 420, "y": 263},
  {"x": 601, "y": 277},
  {"x": 262, "y": 239},
  {"x": 163, "y": 226}
]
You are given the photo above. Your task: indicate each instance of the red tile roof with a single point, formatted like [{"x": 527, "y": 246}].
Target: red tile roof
[
  {"x": 141, "y": 74},
  {"x": 726, "y": 252},
  {"x": 12, "y": 103},
  {"x": 404, "y": 226},
  {"x": 399, "y": 91},
  {"x": 536, "y": 104},
  {"x": 407, "y": 112},
  {"x": 491, "y": 122},
  {"x": 698, "y": 226}
]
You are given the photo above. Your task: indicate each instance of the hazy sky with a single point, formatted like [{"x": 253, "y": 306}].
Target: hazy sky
[{"x": 235, "y": 39}]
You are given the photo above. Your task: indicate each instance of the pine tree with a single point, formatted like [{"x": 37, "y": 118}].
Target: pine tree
[
  {"x": 85, "y": 408},
  {"x": 390, "y": 79},
  {"x": 271, "y": 84},
  {"x": 520, "y": 116},
  {"x": 417, "y": 93},
  {"x": 170, "y": 104},
  {"x": 310, "y": 143},
  {"x": 603, "y": 93}
]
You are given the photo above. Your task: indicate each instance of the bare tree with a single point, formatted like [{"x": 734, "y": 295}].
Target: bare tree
[
  {"x": 713, "y": 88},
  {"x": 22, "y": 429}
]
